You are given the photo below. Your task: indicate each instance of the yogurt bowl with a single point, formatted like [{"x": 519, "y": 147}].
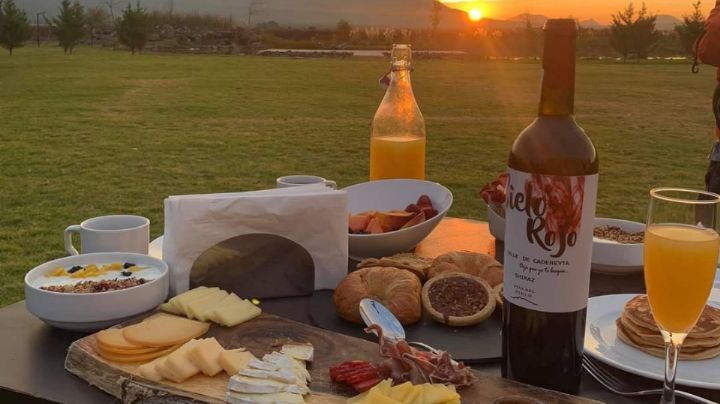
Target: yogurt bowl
[{"x": 93, "y": 310}]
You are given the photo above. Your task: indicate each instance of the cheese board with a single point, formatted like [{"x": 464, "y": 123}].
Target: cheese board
[{"x": 260, "y": 336}]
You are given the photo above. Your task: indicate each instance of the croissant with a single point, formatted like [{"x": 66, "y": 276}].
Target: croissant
[
  {"x": 397, "y": 289},
  {"x": 476, "y": 264}
]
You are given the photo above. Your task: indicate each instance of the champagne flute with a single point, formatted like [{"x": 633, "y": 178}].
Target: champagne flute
[{"x": 681, "y": 253}]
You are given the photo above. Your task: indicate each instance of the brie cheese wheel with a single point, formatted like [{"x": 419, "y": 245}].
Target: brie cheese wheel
[
  {"x": 233, "y": 397},
  {"x": 282, "y": 375},
  {"x": 244, "y": 384}
]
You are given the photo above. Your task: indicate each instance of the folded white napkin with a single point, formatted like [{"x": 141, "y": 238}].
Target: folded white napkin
[{"x": 313, "y": 216}]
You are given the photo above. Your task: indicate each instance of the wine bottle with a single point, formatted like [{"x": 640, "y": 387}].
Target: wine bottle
[{"x": 550, "y": 207}]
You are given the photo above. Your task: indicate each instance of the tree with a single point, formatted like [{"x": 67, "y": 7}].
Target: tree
[
  {"x": 436, "y": 15},
  {"x": 69, "y": 25},
  {"x": 644, "y": 34},
  {"x": 342, "y": 29},
  {"x": 621, "y": 31},
  {"x": 633, "y": 35},
  {"x": 98, "y": 21},
  {"x": 14, "y": 26},
  {"x": 254, "y": 8},
  {"x": 133, "y": 27},
  {"x": 691, "y": 28}
]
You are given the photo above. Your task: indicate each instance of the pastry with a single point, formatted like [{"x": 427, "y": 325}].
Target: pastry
[
  {"x": 411, "y": 262},
  {"x": 498, "y": 292},
  {"x": 471, "y": 263},
  {"x": 397, "y": 289},
  {"x": 458, "y": 299}
]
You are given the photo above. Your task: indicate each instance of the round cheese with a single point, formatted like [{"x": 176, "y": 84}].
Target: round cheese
[
  {"x": 114, "y": 357},
  {"x": 113, "y": 337},
  {"x": 164, "y": 330}
]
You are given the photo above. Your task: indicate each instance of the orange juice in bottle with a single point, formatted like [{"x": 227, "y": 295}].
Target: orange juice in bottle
[{"x": 397, "y": 143}]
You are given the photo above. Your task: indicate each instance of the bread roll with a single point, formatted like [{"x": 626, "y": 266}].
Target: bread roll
[
  {"x": 476, "y": 264},
  {"x": 397, "y": 289}
]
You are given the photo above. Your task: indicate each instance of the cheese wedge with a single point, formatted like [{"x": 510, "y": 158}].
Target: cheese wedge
[
  {"x": 280, "y": 361},
  {"x": 172, "y": 305},
  {"x": 303, "y": 352},
  {"x": 282, "y": 375},
  {"x": 206, "y": 356},
  {"x": 164, "y": 330},
  {"x": 177, "y": 366},
  {"x": 171, "y": 308},
  {"x": 233, "y": 312},
  {"x": 233, "y": 397},
  {"x": 198, "y": 306},
  {"x": 211, "y": 314},
  {"x": 234, "y": 361},
  {"x": 244, "y": 384}
]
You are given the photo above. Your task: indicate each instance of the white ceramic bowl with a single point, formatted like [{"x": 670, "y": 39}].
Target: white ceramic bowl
[
  {"x": 93, "y": 311},
  {"x": 613, "y": 257},
  {"x": 386, "y": 195},
  {"x": 496, "y": 224}
]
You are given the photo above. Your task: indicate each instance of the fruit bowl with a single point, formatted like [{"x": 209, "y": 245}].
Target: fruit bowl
[
  {"x": 388, "y": 195},
  {"x": 96, "y": 310}
]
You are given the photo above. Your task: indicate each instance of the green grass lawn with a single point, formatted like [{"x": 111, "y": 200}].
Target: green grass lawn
[{"x": 105, "y": 132}]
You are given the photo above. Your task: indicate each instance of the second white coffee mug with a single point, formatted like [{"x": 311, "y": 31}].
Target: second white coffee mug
[
  {"x": 114, "y": 233},
  {"x": 300, "y": 180}
]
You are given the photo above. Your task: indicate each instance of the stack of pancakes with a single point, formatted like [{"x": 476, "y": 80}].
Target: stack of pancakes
[{"x": 637, "y": 328}]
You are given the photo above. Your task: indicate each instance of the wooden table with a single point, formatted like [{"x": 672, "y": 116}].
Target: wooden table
[{"x": 33, "y": 354}]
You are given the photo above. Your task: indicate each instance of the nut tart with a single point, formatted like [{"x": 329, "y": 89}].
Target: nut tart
[{"x": 458, "y": 299}]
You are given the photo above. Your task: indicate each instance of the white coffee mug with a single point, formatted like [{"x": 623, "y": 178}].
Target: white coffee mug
[
  {"x": 301, "y": 180},
  {"x": 114, "y": 233}
]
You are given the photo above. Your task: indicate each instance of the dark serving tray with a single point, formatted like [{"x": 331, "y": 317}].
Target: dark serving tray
[{"x": 476, "y": 344}]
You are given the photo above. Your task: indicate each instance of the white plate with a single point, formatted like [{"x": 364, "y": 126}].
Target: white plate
[{"x": 601, "y": 342}]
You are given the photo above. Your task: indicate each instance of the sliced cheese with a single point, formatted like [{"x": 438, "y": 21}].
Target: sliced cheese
[
  {"x": 233, "y": 361},
  {"x": 149, "y": 370},
  {"x": 280, "y": 361},
  {"x": 280, "y": 375},
  {"x": 197, "y": 307},
  {"x": 233, "y": 397},
  {"x": 206, "y": 356},
  {"x": 211, "y": 314},
  {"x": 184, "y": 302},
  {"x": 113, "y": 337},
  {"x": 169, "y": 307},
  {"x": 177, "y": 366},
  {"x": 172, "y": 305},
  {"x": 234, "y": 312},
  {"x": 244, "y": 384},
  {"x": 129, "y": 358},
  {"x": 164, "y": 330},
  {"x": 438, "y": 393},
  {"x": 303, "y": 352},
  {"x": 262, "y": 365}
]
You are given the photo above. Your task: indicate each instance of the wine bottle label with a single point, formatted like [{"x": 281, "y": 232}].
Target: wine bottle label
[{"x": 548, "y": 240}]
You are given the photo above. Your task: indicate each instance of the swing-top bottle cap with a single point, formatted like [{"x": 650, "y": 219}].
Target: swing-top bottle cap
[
  {"x": 401, "y": 56},
  {"x": 561, "y": 26}
]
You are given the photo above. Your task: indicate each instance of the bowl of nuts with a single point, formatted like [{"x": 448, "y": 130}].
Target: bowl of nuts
[
  {"x": 617, "y": 246},
  {"x": 92, "y": 291}
]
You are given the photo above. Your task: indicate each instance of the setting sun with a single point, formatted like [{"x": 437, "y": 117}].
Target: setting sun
[{"x": 475, "y": 14}]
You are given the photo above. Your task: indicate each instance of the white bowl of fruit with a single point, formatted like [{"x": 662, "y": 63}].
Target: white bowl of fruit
[
  {"x": 494, "y": 196},
  {"x": 392, "y": 216}
]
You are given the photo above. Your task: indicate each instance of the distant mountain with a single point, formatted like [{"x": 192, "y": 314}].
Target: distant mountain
[
  {"x": 536, "y": 20},
  {"x": 592, "y": 24},
  {"x": 667, "y": 22}
]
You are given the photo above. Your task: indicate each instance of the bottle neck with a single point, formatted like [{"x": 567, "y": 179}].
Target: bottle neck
[{"x": 558, "y": 83}]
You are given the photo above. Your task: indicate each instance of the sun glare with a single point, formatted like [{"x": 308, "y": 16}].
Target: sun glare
[{"x": 475, "y": 14}]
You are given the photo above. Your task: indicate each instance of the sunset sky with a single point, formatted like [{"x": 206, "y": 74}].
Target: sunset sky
[{"x": 599, "y": 10}]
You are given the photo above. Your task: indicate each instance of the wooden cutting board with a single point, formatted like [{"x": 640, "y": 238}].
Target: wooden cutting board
[{"x": 260, "y": 336}]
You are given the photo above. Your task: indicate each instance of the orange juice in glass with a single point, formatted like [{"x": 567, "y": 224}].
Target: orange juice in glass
[
  {"x": 680, "y": 259},
  {"x": 397, "y": 142},
  {"x": 680, "y": 264}
]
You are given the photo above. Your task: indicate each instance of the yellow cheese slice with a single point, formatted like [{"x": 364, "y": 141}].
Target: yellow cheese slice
[
  {"x": 177, "y": 366},
  {"x": 120, "y": 358},
  {"x": 233, "y": 361},
  {"x": 206, "y": 356},
  {"x": 438, "y": 394},
  {"x": 197, "y": 308},
  {"x": 164, "y": 330},
  {"x": 210, "y": 315},
  {"x": 113, "y": 337},
  {"x": 401, "y": 391},
  {"x": 184, "y": 302},
  {"x": 149, "y": 370},
  {"x": 134, "y": 351},
  {"x": 235, "y": 312},
  {"x": 171, "y": 308}
]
